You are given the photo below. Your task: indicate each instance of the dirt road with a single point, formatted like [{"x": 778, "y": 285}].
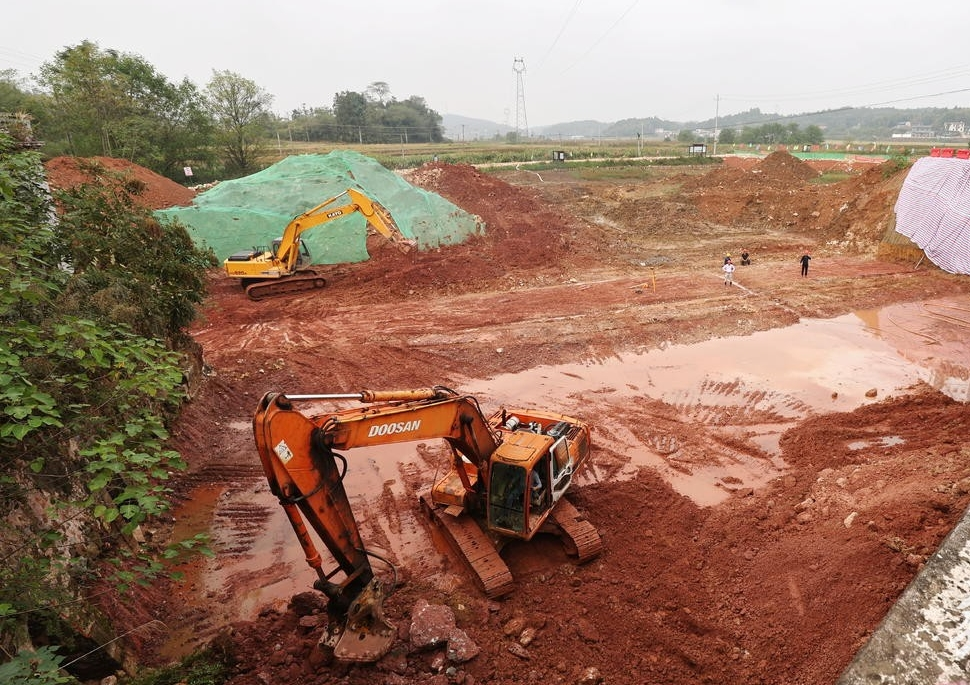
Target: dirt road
[{"x": 780, "y": 580}]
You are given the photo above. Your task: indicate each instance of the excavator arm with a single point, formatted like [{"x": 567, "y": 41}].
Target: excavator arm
[
  {"x": 376, "y": 215},
  {"x": 306, "y": 479}
]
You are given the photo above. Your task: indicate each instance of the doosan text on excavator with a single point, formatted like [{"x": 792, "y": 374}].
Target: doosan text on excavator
[{"x": 508, "y": 475}]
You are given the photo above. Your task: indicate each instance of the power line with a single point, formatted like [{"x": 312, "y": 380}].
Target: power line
[
  {"x": 603, "y": 36},
  {"x": 19, "y": 59},
  {"x": 559, "y": 35},
  {"x": 895, "y": 84}
]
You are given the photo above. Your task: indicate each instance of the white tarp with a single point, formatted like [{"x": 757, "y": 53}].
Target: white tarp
[{"x": 933, "y": 210}]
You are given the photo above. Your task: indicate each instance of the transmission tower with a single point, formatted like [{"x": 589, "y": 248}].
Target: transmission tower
[{"x": 521, "y": 121}]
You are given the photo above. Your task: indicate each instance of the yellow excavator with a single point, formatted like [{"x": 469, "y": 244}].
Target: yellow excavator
[{"x": 285, "y": 267}]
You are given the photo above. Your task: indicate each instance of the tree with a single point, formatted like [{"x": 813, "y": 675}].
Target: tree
[
  {"x": 84, "y": 403},
  {"x": 379, "y": 92},
  {"x": 103, "y": 102},
  {"x": 129, "y": 269},
  {"x": 181, "y": 132},
  {"x": 813, "y": 135},
  {"x": 13, "y": 96},
  {"x": 89, "y": 95},
  {"x": 240, "y": 109},
  {"x": 726, "y": 136},
  {"x": 430, "y": 120},
  {"x": 350, "y": 111}
]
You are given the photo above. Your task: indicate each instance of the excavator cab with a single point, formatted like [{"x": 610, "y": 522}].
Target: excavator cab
[
  {"x": 508, "y": 501},
  {"x": 530, "y": 471},
  {"x": 303, "y": 258}
]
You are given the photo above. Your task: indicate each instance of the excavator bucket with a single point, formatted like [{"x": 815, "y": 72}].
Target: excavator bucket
[{"x": 366, "y": 635}]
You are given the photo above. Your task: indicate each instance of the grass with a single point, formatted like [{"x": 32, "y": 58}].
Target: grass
[
  {"x": 606, "y": 159},
  {"x": 412, "y": 155}
]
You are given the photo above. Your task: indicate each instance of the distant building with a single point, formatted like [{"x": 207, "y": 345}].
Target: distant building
[
  {"x": 908, "y": 129},
  {"x": 955, "y": 129}
]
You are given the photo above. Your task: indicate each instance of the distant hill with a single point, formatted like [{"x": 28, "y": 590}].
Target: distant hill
[
  {"x": 850, "y": 123},
  {"x": 457, "y": 127}
]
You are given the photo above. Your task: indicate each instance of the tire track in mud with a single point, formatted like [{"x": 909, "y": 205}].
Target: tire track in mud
[
  {"x": 701, "y": 439},
  {"x": 227, "y": 477},
  {"x": 237, "y": 524},
  {"x": 717, "y": 402},
  {"x": 394, "y": 527}
]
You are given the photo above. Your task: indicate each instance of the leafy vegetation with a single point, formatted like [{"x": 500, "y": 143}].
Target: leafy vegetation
[
  {"x": 92, "y": 311},
  {"x": 209, "y": 667},
  {"x": 103, "y": 102}
]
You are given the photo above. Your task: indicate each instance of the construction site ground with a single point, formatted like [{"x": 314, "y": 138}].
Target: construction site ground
[{"x": 752, "y": 534}]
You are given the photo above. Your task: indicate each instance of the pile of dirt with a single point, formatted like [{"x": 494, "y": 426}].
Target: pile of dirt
[
  {"x": 525, "y": 242},
  {"x": 150, "y": 189},
  {"x": 254, "y": 210},
  {"x": 778, "y": 194},
  {"x": 782, "y": 167}
]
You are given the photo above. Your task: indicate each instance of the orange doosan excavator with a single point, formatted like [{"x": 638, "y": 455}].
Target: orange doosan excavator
[{"x": 507, "y": 479}]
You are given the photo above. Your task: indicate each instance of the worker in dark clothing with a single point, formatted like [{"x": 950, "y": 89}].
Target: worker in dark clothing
[
  {"x": 745, "y": 257},
  {"x": 804, "y": 260}
]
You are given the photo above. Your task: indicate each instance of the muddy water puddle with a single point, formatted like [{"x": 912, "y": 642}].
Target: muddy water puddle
[{"x": 707, "y": 417}]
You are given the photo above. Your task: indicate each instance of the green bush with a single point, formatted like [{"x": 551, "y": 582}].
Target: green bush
[{"x": 92, "y": 312}]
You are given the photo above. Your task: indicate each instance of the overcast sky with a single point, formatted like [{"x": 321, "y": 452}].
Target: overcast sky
[{"x": 606, "y": 60}]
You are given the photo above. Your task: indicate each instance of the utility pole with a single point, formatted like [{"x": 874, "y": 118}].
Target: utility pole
[
  {"x": 717, "y": 108},
  {"x": 521, "y": 121}
]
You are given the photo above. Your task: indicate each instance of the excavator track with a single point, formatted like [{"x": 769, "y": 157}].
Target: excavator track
[
  {"x": 474, "y": 548},
  {"x": 285, "y": 286},
  {"x": 578, "y": 535}
]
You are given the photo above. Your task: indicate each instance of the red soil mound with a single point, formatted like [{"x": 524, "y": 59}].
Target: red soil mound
[{"x": 157, "y": 192}]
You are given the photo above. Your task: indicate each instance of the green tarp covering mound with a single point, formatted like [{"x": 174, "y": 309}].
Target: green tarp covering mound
[{"x": 252, "y": 211}]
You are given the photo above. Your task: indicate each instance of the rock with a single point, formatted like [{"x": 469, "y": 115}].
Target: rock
[
  {"x": 849, "y": 519},
  {"x": 431, "y": 624},
  {"x": 308, "y": 623},
  {"x": 518, "y": 650},
  {"x": 514, "y": 626},
  {"x": 461, "y": 648},
  {"x": 585, "y": 630},
  {"x": 871, "y": 392},
  {"x": 307, "y": 603},
  {"x": 394, "y": 661},
  {"x": 590, "y": 676}
]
